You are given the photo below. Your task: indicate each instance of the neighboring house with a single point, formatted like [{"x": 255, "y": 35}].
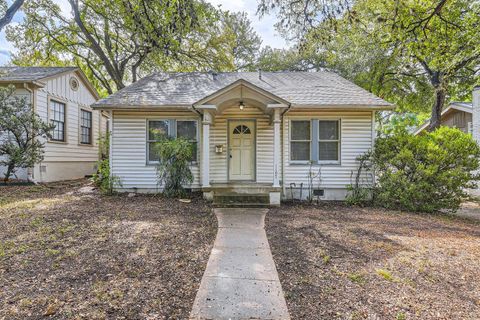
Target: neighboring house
[
  {"x": 260, "y": 133},
  {"x": 62, "y": 96},
  {"x": 457, "y": 114}
]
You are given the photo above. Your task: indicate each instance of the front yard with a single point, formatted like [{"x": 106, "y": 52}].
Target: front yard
[
  {"x": 68, "y": 252},
  {"x": 358, "y": 263},
  {"x": 80, "y": 255}
]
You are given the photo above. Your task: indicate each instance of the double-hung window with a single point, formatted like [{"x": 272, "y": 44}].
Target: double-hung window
[
  {"x": 160, "y": 129},
  {"x": 328, "y": 140},
  {"x": 300, "y": 140},
  {"x": 57, "y": 118},
  {"x": 315, "y": 140},
  {"x": 85, "y": 127}
]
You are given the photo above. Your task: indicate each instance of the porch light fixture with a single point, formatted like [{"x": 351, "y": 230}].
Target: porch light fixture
[{"x": 241, "y": 105}]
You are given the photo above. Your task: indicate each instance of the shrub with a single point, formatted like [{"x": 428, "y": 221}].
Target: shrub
[
  {"x": 22, "y": 133},
  {"x": 173, "y": 168},
  {"x": 102, "y": 178},
  {"x": 427, "y": 172}
]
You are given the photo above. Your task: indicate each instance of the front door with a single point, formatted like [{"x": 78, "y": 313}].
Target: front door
[{"x": 241, "y": 147}]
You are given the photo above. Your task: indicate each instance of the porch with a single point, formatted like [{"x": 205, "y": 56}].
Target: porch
[{"x": 240, "y": 152}]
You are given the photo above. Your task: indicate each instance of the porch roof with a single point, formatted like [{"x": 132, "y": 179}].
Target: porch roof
[{"x": 300, "y": 89}]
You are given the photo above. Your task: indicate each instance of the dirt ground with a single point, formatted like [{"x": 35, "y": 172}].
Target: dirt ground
[
  {"x": 337, "y": 262},
  {"x": 66, "y": 254}
]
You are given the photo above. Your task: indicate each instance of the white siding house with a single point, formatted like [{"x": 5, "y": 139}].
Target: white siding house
[
  {"x": 62, "y": 96},
  {"x": 255, "y": 132}
]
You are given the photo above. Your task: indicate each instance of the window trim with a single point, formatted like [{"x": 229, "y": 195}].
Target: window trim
[
  {"x": 50, "y": 114},
  {"x": 314, "y": 141},
  {"x": 80, "y": 127},
  {"x": 172, "y": 132},
  {"x": 338, "y": 141},
  {"x": 290, "y": 141}
]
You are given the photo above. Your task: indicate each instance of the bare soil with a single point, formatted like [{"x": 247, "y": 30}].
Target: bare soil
[
  {"x": 67, "y": 252},
  {"x": 338, "y": 262}
]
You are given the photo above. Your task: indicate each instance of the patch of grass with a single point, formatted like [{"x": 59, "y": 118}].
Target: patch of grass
[
  {"x": 326, "y": 259},
  {"x": 356, "y": 277},
  {"x": 385, "y": 274},
  {"x": 52, "y": 252},
  {"x": 401, "y": 316}
]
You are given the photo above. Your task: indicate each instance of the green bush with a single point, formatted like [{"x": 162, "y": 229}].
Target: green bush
[
  {"x": 173, "y": 168},
  {"x": 102, "y": 178},
  {"x": 425, "y": 173}
]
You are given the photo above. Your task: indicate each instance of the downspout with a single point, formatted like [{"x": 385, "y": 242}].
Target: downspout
[
  {"x": 284, "y": 188},
  {"x": 33, "y": 100}
]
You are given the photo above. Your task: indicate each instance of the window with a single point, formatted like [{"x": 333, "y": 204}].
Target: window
[
  {"x": 85, "y": 127},
  {"x": 57, "y": 118},
  {"x": 187, "y": 129},
  {"x": 300, "y": 140},
  {"x": 315, "y": 140},
  {"x": 328, "y": 140},
  {"x": 159, "y": 129}
]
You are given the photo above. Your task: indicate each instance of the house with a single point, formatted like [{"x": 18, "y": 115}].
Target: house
[
  {"x": 457, "y": 114},
  {"x": 256, "y": 133},
  {"x": 62, "y": 96}
]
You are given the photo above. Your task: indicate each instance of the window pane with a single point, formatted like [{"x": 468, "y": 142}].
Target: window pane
[
  {"x": 194, "y": 153},
  {"x": 300, "y": 151},
  {"x": 328, "y": 130},
  {"x": 187, "y": 130},
  {"x": 328, "y": 151},
  {"x": 152, "y": 155},
  {"x": 300, "y": 130},
  {"x": 157, "y": 129}
]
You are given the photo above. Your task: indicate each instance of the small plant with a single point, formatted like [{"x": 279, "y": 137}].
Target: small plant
[
  {"x": 326, "y": 259},
  {"x": 356, "y": 277},
  {"x": 360, "y": 191},
  {"x": 385, "y": 274},
  {"x": 401, "y": 316},
  {"x": 103, "y": 178},
  {"x": 173, "y": 168}
]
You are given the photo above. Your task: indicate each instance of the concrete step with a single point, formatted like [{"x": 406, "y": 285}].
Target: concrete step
[{"x": 244, "y": 200}]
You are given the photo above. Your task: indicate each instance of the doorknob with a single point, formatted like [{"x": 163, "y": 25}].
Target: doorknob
[{"x": 230, "y": 156}]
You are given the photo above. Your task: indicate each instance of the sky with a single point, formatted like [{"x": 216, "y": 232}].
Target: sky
[{"x": 263, "y": 26}]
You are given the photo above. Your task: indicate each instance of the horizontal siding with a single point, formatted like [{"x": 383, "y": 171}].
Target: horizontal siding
[
  {"x": 129, "y": 152},
  {"x": 356, "y": 139}
]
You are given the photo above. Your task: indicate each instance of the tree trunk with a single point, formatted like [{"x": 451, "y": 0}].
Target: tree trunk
[
  {"x": 8, "y": 173},
  {"x": 436, "y": 118}
]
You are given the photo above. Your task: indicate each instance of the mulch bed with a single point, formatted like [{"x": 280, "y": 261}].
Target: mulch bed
[
  {"x": 67, "y": 254},
  {"x": 338, "y": 262}
]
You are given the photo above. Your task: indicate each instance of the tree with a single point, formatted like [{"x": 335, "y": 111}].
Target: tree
[
  {"x": 116, "y": 42},
  {"x": 111, "y": 39},
  {"x": 21, "y": 130},
  {"x": 425, "y": 49},
  {"x": 7, "y": 13}
]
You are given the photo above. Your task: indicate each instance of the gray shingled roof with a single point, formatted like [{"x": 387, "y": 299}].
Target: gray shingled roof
[
  {"x": 27, "y": 74},
  {"x": 298, "y": 88}
]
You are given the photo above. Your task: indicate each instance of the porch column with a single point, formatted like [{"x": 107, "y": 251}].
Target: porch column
[
  {"x": 276, "y": 147},
  {"x": 207, "y": 120}
]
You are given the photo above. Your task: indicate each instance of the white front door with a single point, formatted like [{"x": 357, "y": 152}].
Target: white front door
[{"x": 241, "y": 147}]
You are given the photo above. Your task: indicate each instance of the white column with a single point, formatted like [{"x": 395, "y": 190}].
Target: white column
[
  {"x": 207, "y": 120},
  {"x": 476, "y": 114},
  {"x": 276, "y": 148}
]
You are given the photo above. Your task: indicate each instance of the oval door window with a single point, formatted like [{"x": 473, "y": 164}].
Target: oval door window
[{"x": 241, "y": 129}]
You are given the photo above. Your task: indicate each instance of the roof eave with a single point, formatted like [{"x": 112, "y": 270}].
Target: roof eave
[{"x": 344, "y": 106}]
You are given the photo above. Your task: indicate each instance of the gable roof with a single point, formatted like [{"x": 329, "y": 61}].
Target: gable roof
[
  {"x": 460, "y": 106},
  {"x": 38, "y": 74},
  {"x": 28, "y": 74},
  {"x": 298, "y": 88}
]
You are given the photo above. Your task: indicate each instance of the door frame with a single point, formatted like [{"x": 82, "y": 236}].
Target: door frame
[{"x": 254, "y": 148}]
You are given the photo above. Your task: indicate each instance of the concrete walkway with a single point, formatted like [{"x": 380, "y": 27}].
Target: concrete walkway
[{"x": 240, "y": 281}]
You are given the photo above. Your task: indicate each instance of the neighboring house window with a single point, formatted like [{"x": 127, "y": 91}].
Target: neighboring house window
[
  {"x": 57, "y": 117},
  {"x": 187, "y": 129},
  {"x": 158, "y": 129},
  {"x": 315, "y": 140},
  {"x": 85, "y": 127},
  {"x": 300, "y": 139},
  {"x": 328, "y": 140}
]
